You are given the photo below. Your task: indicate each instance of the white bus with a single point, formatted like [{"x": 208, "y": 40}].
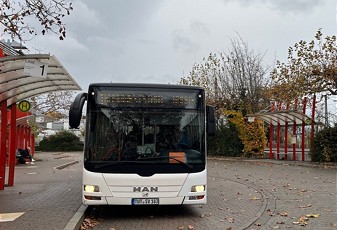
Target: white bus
[{"x": 145, "y": 144}]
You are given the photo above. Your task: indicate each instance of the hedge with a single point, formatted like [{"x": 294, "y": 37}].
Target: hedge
[{"x": 61, "y": 141}]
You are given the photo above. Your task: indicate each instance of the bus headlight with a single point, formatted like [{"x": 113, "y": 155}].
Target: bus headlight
[
  {"x": 91, "y": 188},
  {"x": 198, "y": 188}
]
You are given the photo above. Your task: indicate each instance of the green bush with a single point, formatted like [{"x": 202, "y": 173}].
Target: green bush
[
  {"x": 226, "y": 141},
  {"x": 325, "y": 146},
  {"x": 61, "y": 141}
]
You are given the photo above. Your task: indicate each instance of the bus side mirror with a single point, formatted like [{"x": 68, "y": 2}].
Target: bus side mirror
[
  {"x": 75, "y": 112},
  {"x": 210, "y": 118}
]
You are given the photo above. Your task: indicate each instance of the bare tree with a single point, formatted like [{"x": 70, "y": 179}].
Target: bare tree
[
  {"x": 54, "y": 104},
  {"x": 48, "y": 13},
  {"x": 233, "y": 80}
]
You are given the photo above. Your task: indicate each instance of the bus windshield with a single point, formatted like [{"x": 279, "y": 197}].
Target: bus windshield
[{"x": 160, "y": 129}]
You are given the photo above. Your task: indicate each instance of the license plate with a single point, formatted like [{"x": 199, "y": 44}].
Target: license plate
[{"x": 145, "y": 201}]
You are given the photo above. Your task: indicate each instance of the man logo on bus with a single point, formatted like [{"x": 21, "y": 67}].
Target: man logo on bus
[{"x": 145, "y": 189}]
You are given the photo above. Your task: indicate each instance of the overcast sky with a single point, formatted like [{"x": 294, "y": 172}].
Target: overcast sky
[{"x": 158, "y": 41}]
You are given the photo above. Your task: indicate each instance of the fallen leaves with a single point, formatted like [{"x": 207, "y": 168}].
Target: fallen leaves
[
  {"x": 255, "y": 198},
  {"x": 283, "y": 214},
  {"x": 312, "y": 215},
  {"x": 303, "y": 220},
  {"x": 305, "y": 206},
  {"x": 230, "y": 220},
  {"x": 89, "y": 223},
  {"x": 189, "y": 227},
  {"x": 270, "y": 212}
]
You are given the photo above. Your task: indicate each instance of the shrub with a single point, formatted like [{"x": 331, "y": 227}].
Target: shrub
[
  {"x": 325, "y": 145},
  {"x": 61, "y": 141},
  {"x": 251, "y": 134},
  {"x": 226, "y": 141}
]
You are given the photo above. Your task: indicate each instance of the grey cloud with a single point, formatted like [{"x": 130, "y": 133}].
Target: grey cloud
[
  {"x": 295, "y": 5},
  {"x": 122, "y": 18},
  {"x": 146, "y": 41},
  {"x": 283, "y": 6},
  {"x": 104, "y": 44},
  {"x": 183, "y": 43},
  {"x": 199, "y": 27}
]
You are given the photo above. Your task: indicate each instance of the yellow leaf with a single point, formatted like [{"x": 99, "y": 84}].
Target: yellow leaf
[
  {"x": 283, "y": 214},
  {"x": 190, "y": 227},
  {"x": 312, "y": 215}
]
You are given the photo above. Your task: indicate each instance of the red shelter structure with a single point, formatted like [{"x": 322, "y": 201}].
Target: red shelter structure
[
  {"x": 22, "y": 77},
  {"x": 284, "y": 117}
]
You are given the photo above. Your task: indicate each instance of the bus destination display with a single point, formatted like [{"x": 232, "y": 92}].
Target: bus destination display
[{"x": 147, "y": 99}]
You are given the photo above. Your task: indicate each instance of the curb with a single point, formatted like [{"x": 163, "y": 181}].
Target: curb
[
  {"x": 76, "y": 221},
  {"x": 66, "y": 165},
  {"x": 274, "y": 161}
]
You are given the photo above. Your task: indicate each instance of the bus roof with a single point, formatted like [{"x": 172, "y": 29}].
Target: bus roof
[{"x": 145, "y": 85}]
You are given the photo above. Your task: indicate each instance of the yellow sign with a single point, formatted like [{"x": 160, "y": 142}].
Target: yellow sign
[
  {"x": 308, "y": 121},
  {"x": 24, "y": 106}
]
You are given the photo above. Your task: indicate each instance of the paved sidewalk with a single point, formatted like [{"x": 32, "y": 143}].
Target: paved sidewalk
[{"x": 46, "y": 196}]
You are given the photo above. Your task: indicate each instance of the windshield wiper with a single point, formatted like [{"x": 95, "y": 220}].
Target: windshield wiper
[{"x": 169, "y": 157}]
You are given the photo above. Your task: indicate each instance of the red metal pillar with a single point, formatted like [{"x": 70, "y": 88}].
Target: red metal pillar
[
  {"x": 24, "y": 135},
  {"x": 294, "y": 134},
  {"x": 312, "y": 133},
  {"x": 278, "y": 134},
  {"x": 303, "y": 126},
  {"x": 294, "y": 142},
  {"x": 32, "y": 147},
  {"x": 271, "y": 130},
  {"x": 12, "y": 148},
  {"x": 3, "y": 141},
  {"x": 18, "y": 136},
  {"x": 286, "y": 137},
  {"x": 28, "y": 137}
]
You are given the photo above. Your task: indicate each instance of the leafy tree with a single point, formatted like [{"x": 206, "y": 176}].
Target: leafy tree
[
  {"x": 15, "y": 16},
  {"x": 311, "y": 68},
  {"x": 233, "y": 79}
]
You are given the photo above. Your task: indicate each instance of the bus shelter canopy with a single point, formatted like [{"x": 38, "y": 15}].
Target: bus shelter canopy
[
  {"x": 22, "y": 77},
  {"x": 282, "y": 117}
]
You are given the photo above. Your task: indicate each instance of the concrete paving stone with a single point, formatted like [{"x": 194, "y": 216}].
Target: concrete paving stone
[{"x": 49, "y": 198}]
